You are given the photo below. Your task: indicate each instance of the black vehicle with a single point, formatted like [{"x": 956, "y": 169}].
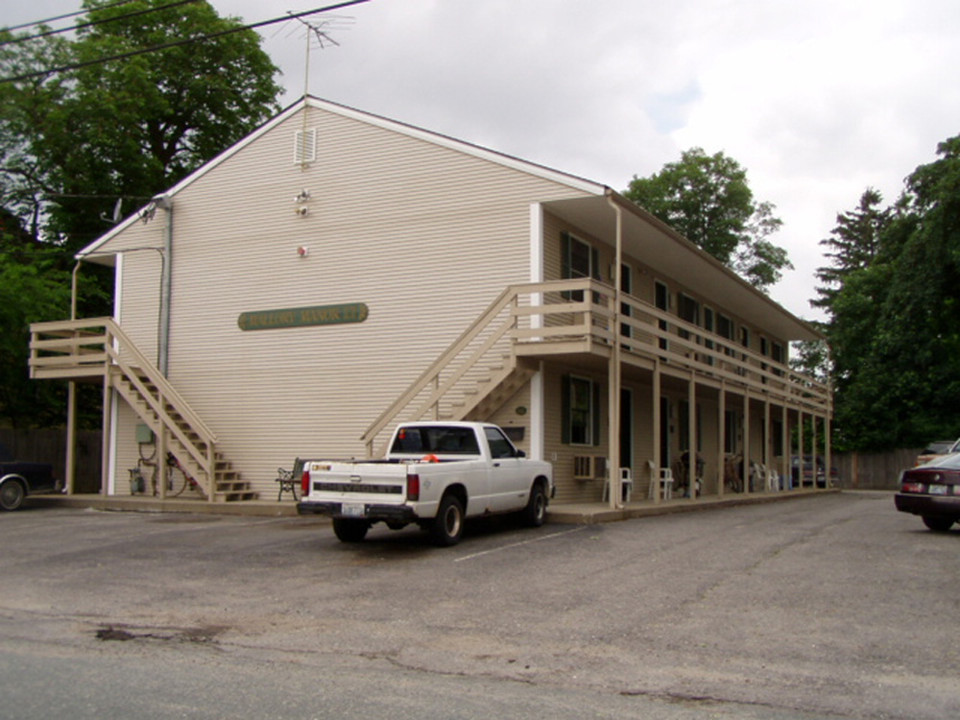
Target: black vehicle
[
  {"x": 19, "y": 479},
  {"x": 932, "y": 491}
]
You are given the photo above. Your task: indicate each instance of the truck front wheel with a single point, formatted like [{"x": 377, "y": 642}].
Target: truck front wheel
[
  {"x": 447, "y": 527},
  {"x": 350, "y": 531}
]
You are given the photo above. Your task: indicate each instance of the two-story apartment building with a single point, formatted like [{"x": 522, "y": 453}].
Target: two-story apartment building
[{"x": 337, "y": 272}]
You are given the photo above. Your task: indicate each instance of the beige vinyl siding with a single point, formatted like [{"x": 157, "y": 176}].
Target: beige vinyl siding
[{"x": 424, "y": 235}]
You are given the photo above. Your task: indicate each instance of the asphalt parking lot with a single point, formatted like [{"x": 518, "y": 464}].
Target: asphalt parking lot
[{"x": 827, "y": 606}]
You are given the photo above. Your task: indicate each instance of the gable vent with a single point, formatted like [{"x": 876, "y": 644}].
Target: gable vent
[{"x": 305, "y": 146}]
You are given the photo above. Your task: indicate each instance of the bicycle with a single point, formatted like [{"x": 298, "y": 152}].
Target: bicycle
[{"x": 178, "y": 479}]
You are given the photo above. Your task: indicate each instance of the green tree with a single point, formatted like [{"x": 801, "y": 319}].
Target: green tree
[
  {"x": 894, "y": 330},
  {"x": 130, "y": 128},
  {"x": 31, "y": 290},
  {"x": 74, "y": 142},
  {"x": 853, "y": 244},
  {"x": 707, "y": 199}
]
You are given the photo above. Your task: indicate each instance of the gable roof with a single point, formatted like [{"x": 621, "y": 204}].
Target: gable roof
[{"x": 439, "y": 139}]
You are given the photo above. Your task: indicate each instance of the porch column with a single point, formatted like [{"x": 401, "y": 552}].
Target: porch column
[
  {"x": 746, "y": 440},
  {"x": 105, "y": 435},
  {"x": 722, "y": 440},
  {"x": 615, "y": 380},
  {"x": 767, "y": 439},
  {"x": 70, "y": 469},
  {"x": 785, "y": 449},
  {"x": 655, "y": 479},
  {"x": 800, "y": 450},
  {"x": 692, "y": 436}
]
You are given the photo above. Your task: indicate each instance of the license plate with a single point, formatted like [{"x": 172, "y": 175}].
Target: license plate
[
  {"x": 352, "y": 510},
  {"x": 937, "y": 489}
]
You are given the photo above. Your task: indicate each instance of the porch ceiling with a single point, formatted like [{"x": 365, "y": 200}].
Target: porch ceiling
[{"x": 668, "y": 254}]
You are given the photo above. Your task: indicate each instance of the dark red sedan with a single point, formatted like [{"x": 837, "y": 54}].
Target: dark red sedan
[{"x": 932, "y": 491}]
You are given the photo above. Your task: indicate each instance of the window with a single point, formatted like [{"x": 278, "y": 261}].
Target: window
[
  {"x": 688, "y": 309},
  {"x": 579, "y": 260},
  {"x": 662, "y": 301},
  {"x": 436, "y": 439},
  {"x": 581, "y": 402},
  {"x": 725, "y": 330},
  {"x": 708, "y": 325},
  {"x": 626, "y": 285},
  {"x": 778, "y": 356},
  {"x": 500, "y": 447},
  {"x": 765, "y": 351}
]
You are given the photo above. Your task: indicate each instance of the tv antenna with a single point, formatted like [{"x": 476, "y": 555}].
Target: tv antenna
[{"x": 319, "y": 32}]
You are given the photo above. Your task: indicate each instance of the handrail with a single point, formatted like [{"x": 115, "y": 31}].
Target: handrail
[
  {"x": 564, "y": 315},
  {"x": 114, "y": 345},
  {"x": 428, "y": 375}
]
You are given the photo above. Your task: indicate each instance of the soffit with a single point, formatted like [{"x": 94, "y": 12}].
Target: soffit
[{"x": 670, "y": 256}]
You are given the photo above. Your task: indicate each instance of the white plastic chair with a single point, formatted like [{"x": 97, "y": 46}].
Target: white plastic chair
[{"x": 666, "y": 481}]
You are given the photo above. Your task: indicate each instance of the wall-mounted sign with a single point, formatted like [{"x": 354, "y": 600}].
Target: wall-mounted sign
[{"x": 302, "y": 317}]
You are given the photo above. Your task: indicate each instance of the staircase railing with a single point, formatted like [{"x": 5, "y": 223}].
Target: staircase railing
[
  {"x": 99, "y": 347},
  {"x": 463, "y": 355},
  {"x": 581, "y": 315}
]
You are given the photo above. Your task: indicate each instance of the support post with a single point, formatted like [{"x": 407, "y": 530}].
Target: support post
[
  {"x": 746, "y": 440},
  {"x": 657, "y": 421},
  {"x": 615, "y": 379},
  {"x": 692, "y": 436},
  {"x": 71, "y": 469},
  {"x": 722, "y": 440}
]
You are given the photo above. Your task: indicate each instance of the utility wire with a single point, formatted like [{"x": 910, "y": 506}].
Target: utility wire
[
  {"x": 61, "y": 17},
  {"x": 91, "y": 23},
  {"x": 178, "y": 43}
]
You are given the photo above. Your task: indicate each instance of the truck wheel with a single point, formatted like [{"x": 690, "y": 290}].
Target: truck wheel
[
  {"x": 938, "y": 524},
  {"x": 448, "y": 525},
  {"x": 11, "y": 494},
  {"x": 350, "y": 531},
  {"x": 536, "y": 511}
]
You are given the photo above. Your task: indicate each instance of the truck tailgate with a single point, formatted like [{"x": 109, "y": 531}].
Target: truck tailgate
[{"x": 380, "y": 483}]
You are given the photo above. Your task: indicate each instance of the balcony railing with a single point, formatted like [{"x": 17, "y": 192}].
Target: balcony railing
[{"x": 570, "y": 317}]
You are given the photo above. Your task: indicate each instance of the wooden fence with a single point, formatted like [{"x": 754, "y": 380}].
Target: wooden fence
[
  {"x": 873, "y": 471},
  {"x": 50, "y": 445}
]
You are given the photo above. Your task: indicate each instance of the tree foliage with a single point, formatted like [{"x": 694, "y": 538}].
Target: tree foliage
[
  {"x": 707, "y": 199},
  {"x": 75, "y": 143},
  {"x": 125, "y": 129},
  {"x": 893, "y": 296}
]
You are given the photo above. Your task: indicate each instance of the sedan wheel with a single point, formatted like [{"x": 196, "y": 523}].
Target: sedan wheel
[
  {"x": 938, "y": 524},
  {"x": 11, "y": 495}
]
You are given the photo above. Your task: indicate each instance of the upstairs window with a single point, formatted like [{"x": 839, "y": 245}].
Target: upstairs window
[{"x": 579, "y": 260}]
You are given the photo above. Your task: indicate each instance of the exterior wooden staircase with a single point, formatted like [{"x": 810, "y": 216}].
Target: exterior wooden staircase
[
  {"x": 98, "y": 348},
  {"x": 473, "y": 377}
]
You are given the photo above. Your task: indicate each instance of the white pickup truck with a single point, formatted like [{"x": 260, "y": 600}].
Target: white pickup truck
[{"x": 435, "y": 475}]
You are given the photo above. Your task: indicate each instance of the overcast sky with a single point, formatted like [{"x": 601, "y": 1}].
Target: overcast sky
[{"x": 816, "y": 99}]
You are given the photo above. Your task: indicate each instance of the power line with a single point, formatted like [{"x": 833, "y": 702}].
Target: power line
[
  {"x": 61, "y": 17},
  {"x": 178, "y": 43},
  {"x": 91, "y": 23}
]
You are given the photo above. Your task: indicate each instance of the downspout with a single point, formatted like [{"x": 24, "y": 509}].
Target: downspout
[
  {"x": 166, "y": 283},
  {"x": 616, "y": 490}
]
